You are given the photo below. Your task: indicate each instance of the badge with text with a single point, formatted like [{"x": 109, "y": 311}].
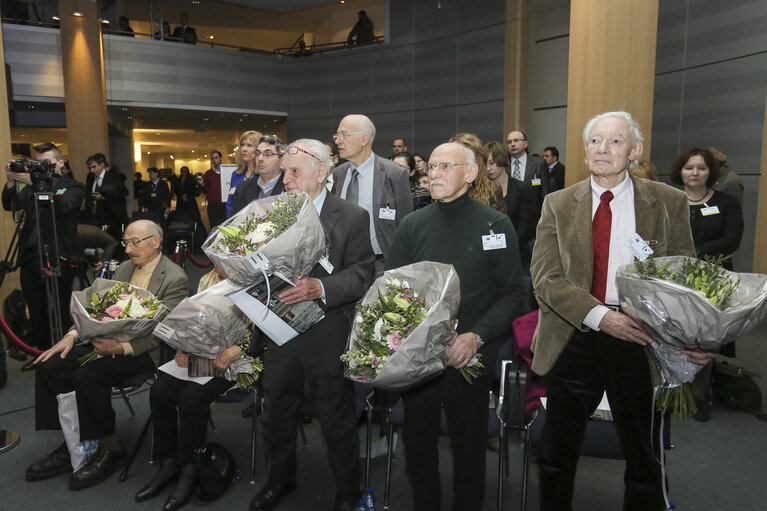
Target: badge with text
[
  {"x": 536, "y": 181},
  {"x": 387, "y": 213},
  {"x": 711, "y": 210},
  {"x": 639, "y": 247},
  {"x": 494, "y": 241},
  {"x": 325, "y": 263}
]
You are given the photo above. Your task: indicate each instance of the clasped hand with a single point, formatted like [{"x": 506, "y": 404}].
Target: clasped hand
[{"x": 461, "y": 350}]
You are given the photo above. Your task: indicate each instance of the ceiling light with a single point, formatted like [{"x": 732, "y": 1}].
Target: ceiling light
[
  {"x": 171, "y": 157},
  {"x": 56, "y": 18},
  {"x": 210, "y": 37},
  {"x": 104, "y": 21},
  {"x": 77, "y": 13},
  {"x": 148, "y": 152}
]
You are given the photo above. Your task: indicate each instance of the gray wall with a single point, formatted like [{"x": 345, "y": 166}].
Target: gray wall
[{"x": 441, "y": 73}]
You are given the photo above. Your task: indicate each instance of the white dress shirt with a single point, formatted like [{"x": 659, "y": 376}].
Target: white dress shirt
[
  {"x": 99, "y": 179},
  {"x": 622, "y": 227},
  {"x": 365, "y": 180}
]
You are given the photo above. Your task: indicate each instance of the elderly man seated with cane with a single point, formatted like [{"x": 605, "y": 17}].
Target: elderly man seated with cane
[{"x": 59, "y": 369}]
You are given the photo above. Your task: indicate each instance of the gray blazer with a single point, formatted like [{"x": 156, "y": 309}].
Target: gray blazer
[
  {"x": 391, "y": 187},
  {"x": 169, "y": 284},
  {"x": 562, "y": 261}
]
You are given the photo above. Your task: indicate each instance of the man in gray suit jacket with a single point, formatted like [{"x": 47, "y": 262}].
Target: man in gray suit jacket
[
  {"x": 93, "y": 381},
  {"x": 584, "y": 343},
  {"x": 314, "y": 356},
  {"x": 374, "y": 183}
]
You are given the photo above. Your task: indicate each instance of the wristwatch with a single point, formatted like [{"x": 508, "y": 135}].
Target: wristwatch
[{"x": 479, "y": 341}]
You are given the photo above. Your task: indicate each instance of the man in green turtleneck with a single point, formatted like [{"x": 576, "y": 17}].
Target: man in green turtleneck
[{"x": 482, "y": 246}]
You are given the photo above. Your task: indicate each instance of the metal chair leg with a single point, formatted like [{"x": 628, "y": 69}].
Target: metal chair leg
[
  {"x": 525, "y": 468},
  {"x": 390, "y": 438},
  {"x": 253, "y": 440},
  {"x": 369, "y": 443},
  {"x": 127, "y": 401},
  {"x": 502, "y": 447},
  {"x": 134, "y": 452}
]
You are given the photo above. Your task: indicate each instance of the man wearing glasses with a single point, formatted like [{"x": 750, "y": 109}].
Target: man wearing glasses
[
  {"x": 59, "y": 370},
  {"x": 376, "y": 184},
  {"x": 528, "y": 169},
  {"x": 481, "y": 245},
  {"x": 314, "y": 355},
  {"x": 269, "y": 182}
]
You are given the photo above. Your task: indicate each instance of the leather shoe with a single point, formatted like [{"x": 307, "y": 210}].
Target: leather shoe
[
  {"x": 29, "y": 366},
  {"x": 183, "y": 491},
  {"x": 271, "y": 493},
  {"x": 346, "y": 502},
  {"x": 167, "y": 472},
  {"x": 55, "y": 463},
  {"x": 176, "y": 502},
  {"x": 102, "y": 464}
]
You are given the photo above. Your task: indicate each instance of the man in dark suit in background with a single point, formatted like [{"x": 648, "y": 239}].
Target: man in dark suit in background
[
  {"x": 528, "y": 169},
  {"x": 314, "y": 355},
  {"x": 378, "y": 185},
  {"x": 556, "y": 168},
  {"x": 155, "y": 196},
  {"x": 185, "y": 33},
  {"x": 269, "y": 182},
  {"x": 60, "y": 371},
  {"x": 105, "y": 195}
]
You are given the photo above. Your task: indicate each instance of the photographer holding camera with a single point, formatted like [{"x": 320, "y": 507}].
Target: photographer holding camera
[{"x": 24, "y": 178}]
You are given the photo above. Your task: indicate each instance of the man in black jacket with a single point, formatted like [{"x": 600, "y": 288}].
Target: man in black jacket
[
  {"x": 19, "y": 196},
  {"x": 105, "y": 196},
  {"x": 269, "y": 182}
]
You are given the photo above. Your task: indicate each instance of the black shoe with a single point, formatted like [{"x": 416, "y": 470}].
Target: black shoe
[
  {"x": 183, "y": 491},
  {"x": 167, "y": 472},
  {"x": 102, "y": 464},
  {"x": 704, "y": 410},
  {"x": 271, "y": 493},
  {"x": 346, "y": 502},
  {"x": 57, "y": 462},
  {"x": 29, "y": 366}
]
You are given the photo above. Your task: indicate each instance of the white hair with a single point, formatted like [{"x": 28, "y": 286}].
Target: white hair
[
  {"x": 317, "y": 149},
  {"x": 634, "y": 129}
]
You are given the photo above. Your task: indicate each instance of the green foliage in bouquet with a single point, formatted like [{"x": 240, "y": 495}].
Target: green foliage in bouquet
[
  {"x": 256, "y": 231},
  {"x": 120, "y": 302},
  {"x": 245, "y": 381},
  {"x": 705, "y": 276},
  {"x": 677, "y": 400}
]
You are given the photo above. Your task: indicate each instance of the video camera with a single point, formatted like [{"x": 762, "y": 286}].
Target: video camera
[{"x": 40, "y": 172}]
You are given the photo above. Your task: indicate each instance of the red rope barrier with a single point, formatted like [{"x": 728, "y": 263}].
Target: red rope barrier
[
  {"x": 196, "y": 262},
  {"x": 8, "y": 333},
  {"x": 175, "y": 258}
]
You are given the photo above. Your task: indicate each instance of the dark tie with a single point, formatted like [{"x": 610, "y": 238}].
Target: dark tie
[
  {"x": 353, "y": 190},
  {"x": 600, "y": 232},
  {"x": 516, "y": 174}
]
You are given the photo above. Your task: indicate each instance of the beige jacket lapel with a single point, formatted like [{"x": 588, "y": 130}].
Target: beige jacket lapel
[{"x": 580, "y": 238}]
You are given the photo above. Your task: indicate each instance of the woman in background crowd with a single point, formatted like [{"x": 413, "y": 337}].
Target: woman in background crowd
[
  {"x": 421, "y": 197},
  {"x": 716, "y": 220},
  {"x": 482, "y": 189},
  {"x": 246, "y": 164}
]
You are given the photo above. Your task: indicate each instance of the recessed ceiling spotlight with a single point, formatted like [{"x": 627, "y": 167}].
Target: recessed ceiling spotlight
[
  {"x": 56, "y": 18},
  {"x": 104, "y": 21},
  {"x": 77, "y": 13}
]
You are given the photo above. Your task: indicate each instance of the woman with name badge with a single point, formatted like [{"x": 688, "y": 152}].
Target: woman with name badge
[{"x": 716, "y": 220}]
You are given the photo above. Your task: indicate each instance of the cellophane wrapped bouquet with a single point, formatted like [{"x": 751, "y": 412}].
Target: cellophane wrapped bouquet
[
  {"x": 403, "y": 326},
  {"x": 276, "y": 234},
  {"x": 684, "y": 303}
]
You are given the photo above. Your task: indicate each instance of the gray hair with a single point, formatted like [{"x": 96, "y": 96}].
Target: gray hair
[
  {"x": 317, "y": 149},
  {"x": 155, "y": 230},
  {"x": 634, "y": 129}
]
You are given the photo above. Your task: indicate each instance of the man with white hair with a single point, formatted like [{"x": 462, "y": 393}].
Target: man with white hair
[
  {"x": 583, "y": 342},
  {"x": 60, "y": 371},
  {"x": 481, "y": 245},
  {"x": 314, "y": 356},
  {"x": 378, "y": 185}
]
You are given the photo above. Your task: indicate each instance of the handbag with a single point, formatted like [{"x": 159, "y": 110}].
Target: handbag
[
  {"x": 216, "y": 469},
  {"x": 735, "y": 387}
]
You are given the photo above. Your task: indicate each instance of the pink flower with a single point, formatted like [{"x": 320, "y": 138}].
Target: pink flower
[
  {"x": 114, "y": 311},
  {"x": 125, "y": 296},
  {"x": 105, "y": 319},
  {"x": 394, "y": 340}
]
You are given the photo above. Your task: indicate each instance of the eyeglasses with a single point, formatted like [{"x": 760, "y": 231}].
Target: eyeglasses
[
  {"x": 295, "y": 150},
  {"x": 516, "y": 140},
  {"x": 265, "y": 154},
  {"x": 345, "y": 134},
  {"x": 444, "y": 166},
  {"x": 127, "y": 243}
]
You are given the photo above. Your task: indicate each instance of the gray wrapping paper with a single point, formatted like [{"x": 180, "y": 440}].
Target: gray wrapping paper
[
  {"x": 205, "y": 325},
  {"x": 121, "y": 330},
  {"x": 677, "y": 316},
  {"x": 422, "y": 354},
  {"x": 292, "y": 254}
]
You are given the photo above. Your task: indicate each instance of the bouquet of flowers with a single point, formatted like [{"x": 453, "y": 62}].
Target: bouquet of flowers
[
  {"x": 115, "y": 310},
  {"x": 206, "y": 324},
  {"x": 687, "y": 303},
  {"x": 402, "y": 327},
  {"x": 275, "y": 234}
]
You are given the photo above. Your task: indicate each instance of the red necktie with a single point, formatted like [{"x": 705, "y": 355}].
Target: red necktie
[{"x": 600, "y": 232}]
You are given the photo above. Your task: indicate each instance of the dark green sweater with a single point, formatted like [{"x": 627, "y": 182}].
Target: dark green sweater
[{"x": 492, "y": 292}]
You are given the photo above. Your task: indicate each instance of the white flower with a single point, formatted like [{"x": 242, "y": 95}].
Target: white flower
[
  {"x": 404, "y": 283},
  {"x": 262, "y": 233},
  {"x": 358, "y": 318},
  {"x": 377, "y": 328}
]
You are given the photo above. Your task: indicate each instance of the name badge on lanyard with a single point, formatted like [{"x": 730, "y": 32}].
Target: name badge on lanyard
[
  {"x": 710, "y": 210},
  {"x": 387, "y": 213},
  {"x": 493, "y": 241}
]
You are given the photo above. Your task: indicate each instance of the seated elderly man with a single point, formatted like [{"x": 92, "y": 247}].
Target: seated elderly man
[{"x": 92, "y": 382}]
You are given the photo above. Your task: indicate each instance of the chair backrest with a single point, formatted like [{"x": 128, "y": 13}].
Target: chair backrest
[{"x": 511, "y": 401}]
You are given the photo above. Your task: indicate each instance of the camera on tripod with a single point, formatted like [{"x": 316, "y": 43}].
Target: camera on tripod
[{"x": 40, "y": 172}]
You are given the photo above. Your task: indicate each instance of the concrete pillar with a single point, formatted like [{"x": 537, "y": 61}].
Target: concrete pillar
[
  {"x": 82, "y": 56},
  {"x": 760, "y": 243},
  {"x": 611, "y": 67},
  {"x": 516, "y": 66}
]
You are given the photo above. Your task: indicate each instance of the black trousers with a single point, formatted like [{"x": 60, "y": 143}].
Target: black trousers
[
  {"x": 180, "y": 411},
  {"x": 590, "y": 364},
  {"x": 33, "y": 288},
  {"x": 216, "y": 213},
  {"x": 285, "y": 369},
  {"x": 92, "y": 384},
  {"x": 466, "y": 413}
]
